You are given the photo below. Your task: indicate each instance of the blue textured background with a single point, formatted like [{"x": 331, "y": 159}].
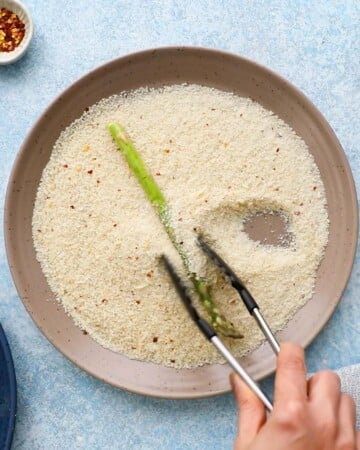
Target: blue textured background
[{"x": 314, "y": 44}]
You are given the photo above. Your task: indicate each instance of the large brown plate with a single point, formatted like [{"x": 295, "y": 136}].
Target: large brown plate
[{"x": 155, "y": 68}]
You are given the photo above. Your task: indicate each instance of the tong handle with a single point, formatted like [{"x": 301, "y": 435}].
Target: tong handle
[{"x": 225, "y": 352}]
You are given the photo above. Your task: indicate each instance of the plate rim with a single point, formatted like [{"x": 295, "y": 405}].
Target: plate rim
[{"x": 288, "y": 85}]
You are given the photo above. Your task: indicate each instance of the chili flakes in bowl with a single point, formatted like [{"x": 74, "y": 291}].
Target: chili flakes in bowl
[
  {"x": 12, "y": 30},
  {"x": 16, "y": 30}
]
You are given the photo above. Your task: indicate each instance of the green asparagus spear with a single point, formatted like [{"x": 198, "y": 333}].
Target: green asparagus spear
[{"x": 157, "y": 199}]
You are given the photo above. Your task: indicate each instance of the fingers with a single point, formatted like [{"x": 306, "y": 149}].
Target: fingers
[
  {"x": 252, "y": 415},
  {"x": 324, "y": 390},
  {"x": 346, "y": 423},
  {"x": 290, "y": 379},
  {"x": 324, "y": 393},
  {"x": 325, "y": 385}
]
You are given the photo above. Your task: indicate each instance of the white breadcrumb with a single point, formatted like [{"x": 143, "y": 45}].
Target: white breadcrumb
[{"x": 217, "y": 158}]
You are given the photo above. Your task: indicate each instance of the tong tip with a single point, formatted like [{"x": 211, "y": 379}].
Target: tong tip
[{"x": 180, "y": 287}]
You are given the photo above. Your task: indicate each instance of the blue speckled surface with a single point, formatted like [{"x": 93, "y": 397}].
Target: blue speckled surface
[{"x": 314, "y": 44}]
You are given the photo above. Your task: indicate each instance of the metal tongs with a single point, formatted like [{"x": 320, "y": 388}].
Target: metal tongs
[{"x": 209, "y": 331}]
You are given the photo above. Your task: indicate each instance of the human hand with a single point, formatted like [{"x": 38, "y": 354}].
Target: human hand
[{"x": 307, "y": 415}]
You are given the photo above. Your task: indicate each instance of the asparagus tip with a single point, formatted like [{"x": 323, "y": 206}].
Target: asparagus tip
[{"x": 118, "y": 132}]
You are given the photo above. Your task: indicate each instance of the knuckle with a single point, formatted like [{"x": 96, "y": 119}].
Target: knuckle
[
  {"x": 331, "y": 377},
  {"x": 328, "y": 377},
  {"x": 295, "y": 409},
  {"x": 292, "y": 416},
  {"x": 325, "y": 381}
]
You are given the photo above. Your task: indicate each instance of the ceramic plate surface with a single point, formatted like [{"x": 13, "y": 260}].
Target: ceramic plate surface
[
  {"x": 7, "y": 393},
  {"x": 156, "y": 68}
]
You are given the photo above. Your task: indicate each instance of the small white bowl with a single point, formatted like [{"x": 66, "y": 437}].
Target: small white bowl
[{"x": 24, "y": 15}]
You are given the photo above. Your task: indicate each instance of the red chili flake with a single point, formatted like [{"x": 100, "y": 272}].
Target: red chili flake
[
  {"x": 276, "y": 189},
  {"x": 90, "y": 172},
  {"x": 155, "y": 339},
  {"x": 314, "y": 188},
  {"x": 138, "y": 302},
  {"x": 85, "y": 332},
  {"x": 158, "y": 174},
  {"x": 98, "y": 181},
  {"x": 277, "y": 150},
  {"x": 115, "y": 225},
  {"x": 195, "y": 229},
  {"x": 12, "y": 30},
  {"x": 206, "y": 200},
  {"x": 172, "y": 360},
  {"x": 301, "y": 204},
  {"x": 39, "y": 231},
  {"x": 149, "y": 274},
  {"x": 86, "y": 109},
  {"x": 66, "y": 166},
  {"x": 166, "y": 150},
  {"x": 72, "y": 206},
  {"x": 181, "y": 242}
]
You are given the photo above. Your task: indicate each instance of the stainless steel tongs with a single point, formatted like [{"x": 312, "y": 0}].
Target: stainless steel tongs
[{"x": 209, "y": 331}]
